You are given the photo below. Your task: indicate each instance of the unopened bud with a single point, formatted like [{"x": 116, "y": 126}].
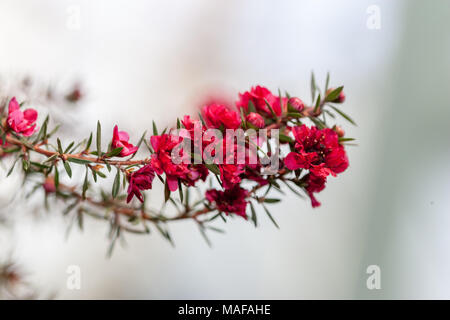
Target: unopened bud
[
  {"x": 297, "y": 104},
  {"x": 340, "y": 132},
  {"x": 255, "y": 119},
  {"x": 340, "y": 98},
  {"x": 49, "y": 185}
]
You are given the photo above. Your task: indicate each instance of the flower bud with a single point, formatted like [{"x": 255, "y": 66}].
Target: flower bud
[
  {"x": 340, "y": 132},
  {"x": 255, "y": 119},
  {"x": 340, "y": 98},
  {"x": 49, "y": 185},
  {"x": 297, "y": 104}
]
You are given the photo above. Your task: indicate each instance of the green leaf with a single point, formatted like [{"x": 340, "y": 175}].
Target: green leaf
[
  {"x": 342, "y": 139},
  {"x": 203, "y": 233},
  {"x": 114, "y": 152},
  {"x": 60, "y": 150},
  {"x": 101, "y": 174},
  {"x": 343, "y": 115},
  {"x": 213, "y": 168},
  {"x": 116, "y": 184},
  {"x": 253, "y": 217},
  {"x": 56, "y": 177},
  {"x": 69, "y": 146},
  {"x": 180, "y": 190},
  {"x": 85, "y": 183},
  {"x": 316, "y": 108},
  {"x": 313, "y": 87},
  {"x": 271, "y": 200},
  {"x": 43, "y": 131},
  {"x": 333, "y": 95},
  {"x": 12, "y": 168},
  {"x": 99, "y": 139},
  {"x": 68, "y": 169},
  {"x": 89, "y": 142},
  {"x": 155, "y": 129},
  {"x": 270, "y": 216},
  {"x": 327, "y": 81},
  {"x": 271, "y": 110},
  {"x": 285, "y": 138},
  {"x": 76, "y": 160},
  {"x": 166, "y": 191}
]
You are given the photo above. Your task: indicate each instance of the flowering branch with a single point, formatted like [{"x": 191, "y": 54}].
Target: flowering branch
[{"x": 181, "y": 157}]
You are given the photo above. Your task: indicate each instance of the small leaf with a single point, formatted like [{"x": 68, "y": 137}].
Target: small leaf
[
  {"x": 317, "y": 107},
  {"x": 253, "y": 217},
  {"x": 343, "y": 115},
  {"x": 166, "y": 191},
  {"x": 12, "y": 168},
  {"x": 85, "y": 183},
  {"x": 270, "y": 216},
  {"x": 69, "y": 146},
  {"x": 56, "y": 177},
  {"x": 285, "y": 138},
  {"x": 60, "y": 150},
  {"x": 76, "y": 160},
  {"x": 313, "y": 86},
  {"x": 271, "y": 110},
  {"x": 213, "y": 168},
  {"x": 180, "y": 190},
  {"x": 68, "y": 169},
  {"x": 155, "y": 129},
  {"x": 89, "y": 142},
  {"x": 99, "y": 139},
  {"x": 116, "y": 184},
  {"x": 327, "y": 81},
  {"x": 271, "y": 200},
  {"x": 114, "y": 152}
]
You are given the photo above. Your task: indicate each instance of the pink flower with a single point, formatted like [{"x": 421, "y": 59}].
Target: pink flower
[
  {"x": 230, "y": 200},
  {"x": 217, "y": 115},
  {"x": 317, "y": 150},
  {"x": 21, "y": 122},
  {"x": 140, "y": 180},
  {"x": 258, "y": 96},
  {"x": 314, "y": 184},
  {"x": 120, "y": 140},
  {"x": 255, "y": 119},
  {"x": 297, "y": 104},
  {"x": 162, "y": 162}
]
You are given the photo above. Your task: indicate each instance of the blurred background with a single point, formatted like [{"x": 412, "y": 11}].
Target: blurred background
[{"x": 151, "y": 60}]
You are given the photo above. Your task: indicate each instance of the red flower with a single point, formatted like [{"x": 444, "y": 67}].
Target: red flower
[
  {"x": 162, "y": 162},
  {"x": 255, "y": 119},
  {"x": 120, "y": 140},
  {"x": 258, "y": 96},
  {"x": 140, "y": 180},
  {"x": 317, "y": 150},
  {"x": 21, "y": 122},
  {"x": 314, "y": 184},
  {"x": 230, "y": 200},
  {"x": 217, "y": 115}
]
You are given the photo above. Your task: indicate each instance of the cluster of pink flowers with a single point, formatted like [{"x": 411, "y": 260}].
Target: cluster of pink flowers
[
  {"x": 315, "y": 153},
  {"x": 319, "y": 152}
]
